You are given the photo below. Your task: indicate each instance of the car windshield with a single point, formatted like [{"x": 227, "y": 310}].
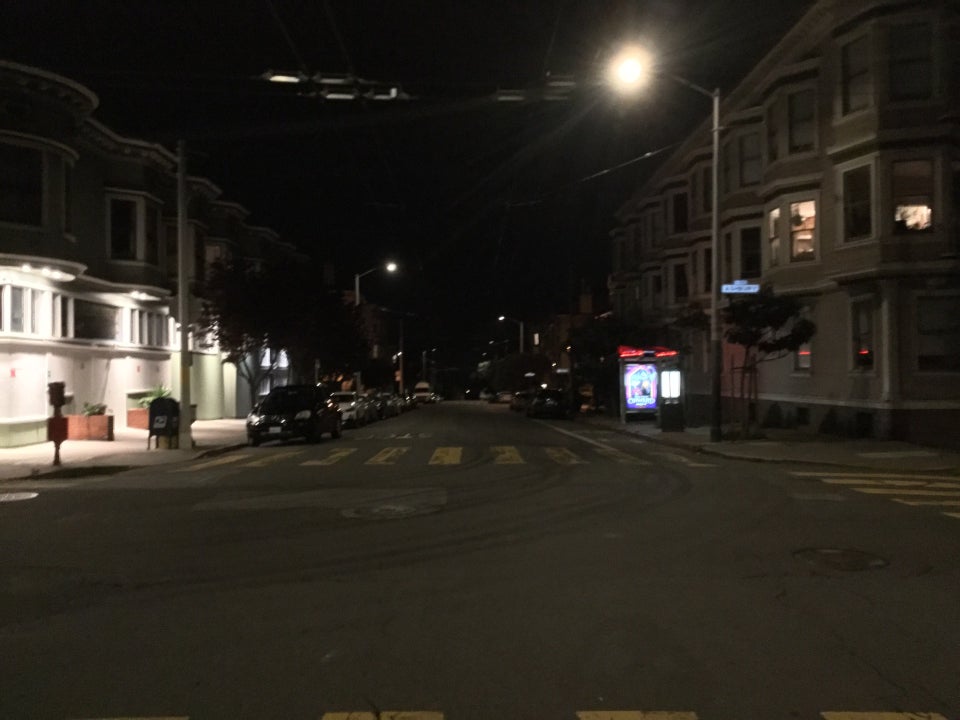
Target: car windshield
[{"x": 283, "y": 400}]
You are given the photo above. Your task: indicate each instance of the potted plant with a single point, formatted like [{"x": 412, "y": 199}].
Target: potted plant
[
  {"x": 139, "y": 417},
  {"x": 93, "y": 424}
]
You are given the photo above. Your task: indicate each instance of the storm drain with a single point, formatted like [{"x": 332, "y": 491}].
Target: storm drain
[{"x": 843, "y": 559}]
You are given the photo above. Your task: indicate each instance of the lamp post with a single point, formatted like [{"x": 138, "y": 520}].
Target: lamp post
[
  {"x": 519, "y": 323},
  {"x": 390, "y": 267},
  {"x": 629, "y": 70}
]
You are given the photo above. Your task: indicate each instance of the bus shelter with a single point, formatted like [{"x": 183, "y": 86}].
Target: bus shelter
[{"x": 650, "y": 385}]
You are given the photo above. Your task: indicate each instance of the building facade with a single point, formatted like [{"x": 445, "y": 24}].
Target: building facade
[
  {"x": 88, "y": 261},
  {"x": 840, "y": 185}
]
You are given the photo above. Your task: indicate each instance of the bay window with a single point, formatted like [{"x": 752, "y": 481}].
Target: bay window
[
  {"x": 21, "y": 185},
  {"x": 803, "y": 227},
  {"x": 912, "y": 184}
]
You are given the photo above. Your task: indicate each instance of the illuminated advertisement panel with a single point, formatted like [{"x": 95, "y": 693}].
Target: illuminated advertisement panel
[{"x": 640, "y": 386}]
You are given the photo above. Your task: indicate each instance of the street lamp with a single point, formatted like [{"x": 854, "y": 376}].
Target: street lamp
[
  {"x": 518, "y": 322},
  {"x": 390, "y": 267},
  {"x": 629, "y": 71}
]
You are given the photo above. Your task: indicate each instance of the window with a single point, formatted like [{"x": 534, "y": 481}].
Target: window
[
  {"x": 21, "y": 185},
  {"x": 803, "y": 357},
  {"x": 750, "y": 265},
  {"x": 123, "y": 229},
  {"x": 95, "y": 321},
  {"x": 36, "y": 311},
  {"x": 17, "y": 309},
  {"x": 678, "y": 207},
  {"x": 681, "y": 289},
  {"x": 64, "y": 317},
  {"x": 803, "y": 226},
  {"x": 706, "y": 188},
  {"x": 751, "y": 162},
  {"x": 861, "y": 316},
  {"x": 657, "y": 283},
  {"x": 910, "y": 50},
  {"x": 912, "y": 195},
  {"x": 773, "y": 236},
  {"x": 708, "y": 270},
  {"x": 67, "y": 196},
  {"x": 857, "y": 213},
  {"x": 801, "y": 131},
  {"x": 151, "y": 249},
  {"x": 938, "y": 333},
  {"x": 726, "y": 166},
  {"x": 855, "y": 85},
  {"x": 727, "y": 258}
]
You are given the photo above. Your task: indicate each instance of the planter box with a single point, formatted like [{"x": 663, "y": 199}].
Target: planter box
[
  {"x": 89, "y": 427},
  {"x": 138, "y": 418}
]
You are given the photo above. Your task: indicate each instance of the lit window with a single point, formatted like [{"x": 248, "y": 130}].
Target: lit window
[
  {"x": 803, "y": 226},
  {"x": 21, "y": 185},
  {"x": 773, "y": 236},
  {"x": 938, "y": 333},
  {"x": 910, "y": 50},
  {"x": 912, "y": 195},
  {"x": 857, "y": 213},
  {"x": 861, "y": 316},
  {"x": 17, "y": 309},
  {"x": 803, "y": 358},
  {"x": 855, "y": 83},
  {"x": 802, "y": 132},
  {"x": 751, "y": 161}
]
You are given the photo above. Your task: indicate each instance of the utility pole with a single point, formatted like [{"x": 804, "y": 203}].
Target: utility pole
[{"x": 183, "y": 299}]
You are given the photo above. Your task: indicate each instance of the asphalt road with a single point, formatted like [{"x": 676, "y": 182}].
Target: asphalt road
[{"x": 465, "y": 560}]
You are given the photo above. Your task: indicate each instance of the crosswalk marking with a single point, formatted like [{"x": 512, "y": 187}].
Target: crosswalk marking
[
  {"x": 384, "y": 715},
  {"x": 563, "y": 456},
  {"x": 506, "y": 455},
  {"x": 871, "y": 476},
  {"x": 621, "y": 457},
  {"x": 903, "y": 488},
  {"x": 272, "y": 457},
  {"x": 388, "y": 456},
  {"x": 636, "y": 715},
  {"x": 335, "y": 456},
  {"x": 222, "y": 460},
  {"x": 881, "y": 716},
  {"x": 446, "y": 456}
]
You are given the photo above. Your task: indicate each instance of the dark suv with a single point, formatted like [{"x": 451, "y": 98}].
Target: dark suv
[{"x": 294, "y": 411}]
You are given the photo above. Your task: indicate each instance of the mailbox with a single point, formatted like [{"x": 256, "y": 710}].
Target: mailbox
[{"x": 164, "y": 421}]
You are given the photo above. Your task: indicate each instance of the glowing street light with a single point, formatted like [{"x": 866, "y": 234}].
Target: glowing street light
[
  {"x": 628, "y": 71},
  {"x": 390, "y": 267}
]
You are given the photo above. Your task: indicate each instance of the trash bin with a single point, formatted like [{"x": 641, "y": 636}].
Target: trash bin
[{"x": 164, "y": 423}]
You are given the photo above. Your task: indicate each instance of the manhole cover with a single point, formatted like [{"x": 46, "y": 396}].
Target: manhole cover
[
  {"x": 389, "y": 511},
  {"x": 841, "y": 559},
  {"x": 17, "y": 496}
]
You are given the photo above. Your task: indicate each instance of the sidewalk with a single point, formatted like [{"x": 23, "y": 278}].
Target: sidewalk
[
  {"x": 128, "y": 449},
  {"x": 794, "y": 446}
]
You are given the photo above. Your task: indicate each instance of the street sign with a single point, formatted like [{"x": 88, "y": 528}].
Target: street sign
[{"x": 739, "y": 287}]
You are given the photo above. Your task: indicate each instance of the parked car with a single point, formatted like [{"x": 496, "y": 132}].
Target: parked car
[
  {"x": 391, "y": 404},
  {"x": 521, "y": 399},
  {"x": 294, "y": 411},
  {"x": 550, "y": 403},
  {"x": 503, "y": 396},
  {"x": 423, "y": 392},
  {"x": 354, "y": 409},
  {"x": 378, "y": 410}
]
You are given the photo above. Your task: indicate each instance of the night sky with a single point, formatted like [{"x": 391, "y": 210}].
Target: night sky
[{"x": 484, "y": 204}]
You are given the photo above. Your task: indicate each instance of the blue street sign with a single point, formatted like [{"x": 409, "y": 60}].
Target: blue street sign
[{"x": 739, "y": 287}]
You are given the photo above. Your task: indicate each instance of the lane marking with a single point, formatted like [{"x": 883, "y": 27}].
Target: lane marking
[
  {"x": 446, "y": 456},
  {"x": 563, "y": 456},
  {"x": 506, "y": 455},
  {"x": 935, "y": 503},
  {"x": 17, "y": 496},
  {"x": 635, "y": 715},
  {"x": 911, "y": 476},
  {"x": 222, "y": 460},
  {"x": 264, "y": 461},
  {"x": 384, "y": 715},
  {"x": 953, "y": 515},
  {"x": 621, "y": 457},
  {"x": 335, "y": 456},
  {"x": 881, "y": 716},
  {"x": 906, "y": 491},
  {"x": 388, "y": 456},
  {"x": 891, "y": 483}
]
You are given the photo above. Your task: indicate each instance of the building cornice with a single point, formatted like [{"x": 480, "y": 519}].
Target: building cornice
[
  {"x": 106, "y": 140},
  {"x": 35, "y": 80}
]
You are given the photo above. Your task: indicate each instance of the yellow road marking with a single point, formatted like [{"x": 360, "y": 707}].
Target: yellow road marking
[
  {"x": 956, "y": 515},
  {"x": 563, "y": 456},
  {"x": 334, "y": 457},
  {"x": 506, "y": 455},
  {"x": 151, "y": 717},
  {"x": 906, "y": 491},
  {"x": 891, "y": 483},
  {"x": 881, "y": 716},
  {"x": 635, "y": 715},
  {"x": 912, "y": 476},
  {"x": 387, "y": 456},
  {"x": 621, "y": 457},
  {"x": 222, "y": 460},
  {"x": 446, "y": 456},
  {"x": 386, "y": 715},
  {"x": 273, "y": 457}
]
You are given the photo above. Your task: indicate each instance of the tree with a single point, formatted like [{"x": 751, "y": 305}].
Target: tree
[{"x": 767, "y": 327}]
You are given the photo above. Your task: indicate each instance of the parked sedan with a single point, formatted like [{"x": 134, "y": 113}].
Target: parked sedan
[
  {"x": 521, "y": 400},
  {"x": 294, "y": 411},
  {"x": 391, "y": 404},
  {"x": 354, "y": 409},
  {"x": 550, "y": 403}
]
